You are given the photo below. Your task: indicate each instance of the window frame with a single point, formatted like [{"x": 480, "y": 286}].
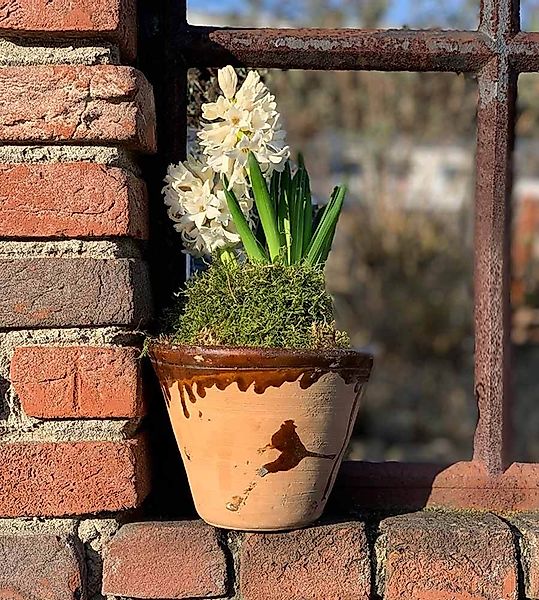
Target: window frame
[{"x": 497, "y": 52}]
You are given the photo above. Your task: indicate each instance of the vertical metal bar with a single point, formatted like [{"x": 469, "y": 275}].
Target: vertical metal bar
[
  {"x": 169, "y": 496},
  {"x": 161, "y": 26},
  {"x": 174, "y": 103},
  {"x": 162, "y": 62},
  {"x": 500, "y": 19},
  {"x": 496, "y": 116}
]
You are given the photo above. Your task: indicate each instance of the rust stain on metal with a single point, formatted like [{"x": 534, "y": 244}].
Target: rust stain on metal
[
  {"x": 492, "y": 271},
  {"x": 523, "y": 51},
  {"x": 500, "y": 18}
]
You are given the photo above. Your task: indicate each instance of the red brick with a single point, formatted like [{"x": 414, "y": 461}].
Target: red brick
[
  {"x": 71, "y": 200},
  {"x": 57, "y": 382},
  {"x": 71, "y": 478},
  {"x": 61, "y": 292},
  {"x": 41, "y": 565},
  {"x": 114, "y": 20},
  {"x": 77, "y": 104},
  {"x": 528, "y": 527},
  {"x": 444, "y": 556},
  {"x": 180, "y": 559},
  {"x": 330, "y": 561}
]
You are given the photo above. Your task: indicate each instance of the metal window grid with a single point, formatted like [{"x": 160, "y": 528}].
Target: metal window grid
[{"x": 497, "y": 52}]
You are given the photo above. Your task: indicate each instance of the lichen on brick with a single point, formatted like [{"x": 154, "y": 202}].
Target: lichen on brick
[{"x": 14, "y": 53}]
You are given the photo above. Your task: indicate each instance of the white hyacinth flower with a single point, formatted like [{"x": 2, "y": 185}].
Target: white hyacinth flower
[
  {"x": 197, "y": 205},
  {"x": 241, "y": 121}
]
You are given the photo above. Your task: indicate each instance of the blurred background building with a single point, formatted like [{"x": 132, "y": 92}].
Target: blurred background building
[{"x": 401, "y": 269}]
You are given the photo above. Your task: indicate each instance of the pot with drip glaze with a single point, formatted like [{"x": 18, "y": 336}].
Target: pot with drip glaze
[{"x": 262, "y": 432}]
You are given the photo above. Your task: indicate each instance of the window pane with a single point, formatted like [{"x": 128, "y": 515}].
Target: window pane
[
  {"x": 401, "y": 267},
  {"x": 525, "y": 285},
  {"x": 335, "y": 13},
  {"x": 529, "y": 15}
]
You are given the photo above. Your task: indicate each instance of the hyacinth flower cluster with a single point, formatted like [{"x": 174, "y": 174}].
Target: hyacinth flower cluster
[{"x": 238, "y": 194}]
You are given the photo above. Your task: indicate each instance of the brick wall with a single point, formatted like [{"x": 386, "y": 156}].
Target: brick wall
[
  {"x": 420, "y": 556},
  {"x": 75, "y": 117}
]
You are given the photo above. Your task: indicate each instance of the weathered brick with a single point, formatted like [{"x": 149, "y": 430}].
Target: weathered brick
[
  {"x": 528, "y": 526},
  {"x": 329, "y": 561},
  {"x": 68, "y": 103},
  {"x": 59, "y": 292},
  {"x": 180, "y": 559},
  {"x": 71, "y": 200},
  {"x": 56, "y": 382},
  {"x": 51, "y": 479},
  {"x": 40, "y": 565},
  {"x": 443, "y": 556},
  {"x": 114, "y": 20}
]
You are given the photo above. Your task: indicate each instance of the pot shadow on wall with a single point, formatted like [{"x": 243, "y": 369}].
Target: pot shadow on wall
[
  {"x": 371, "y": 491},
  {"x": 169, "y": 497}
]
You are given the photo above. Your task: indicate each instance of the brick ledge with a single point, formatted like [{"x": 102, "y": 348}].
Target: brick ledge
[{"x": 430, "y": 555}]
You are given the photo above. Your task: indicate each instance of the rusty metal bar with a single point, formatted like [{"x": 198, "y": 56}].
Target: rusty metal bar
[
  {"x": 496, "y": 115},
  {"x": 335, "y": 49},
  {"x": 165, "y": 69},
  {"x": 174, "y": 74},
  {"x": 523, "y": 51}
]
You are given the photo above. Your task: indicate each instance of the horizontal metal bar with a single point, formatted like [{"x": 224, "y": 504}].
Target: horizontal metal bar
[
  {"x": 523, "y": 52},
  {"x": 463, "y": 485},
  {"x": 335, "y": 49}
]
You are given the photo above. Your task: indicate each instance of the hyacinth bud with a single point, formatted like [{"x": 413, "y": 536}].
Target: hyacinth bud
[{"x": 228, "y": 81}]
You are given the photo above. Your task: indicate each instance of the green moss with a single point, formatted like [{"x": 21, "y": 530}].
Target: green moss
[{"x": 272, "y": 306}]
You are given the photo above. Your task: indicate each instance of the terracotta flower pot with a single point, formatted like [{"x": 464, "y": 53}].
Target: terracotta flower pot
[{"x": 262, "y": 432}]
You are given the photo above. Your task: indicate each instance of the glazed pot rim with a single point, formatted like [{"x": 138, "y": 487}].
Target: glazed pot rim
[{"x": 256, "y": 358}]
